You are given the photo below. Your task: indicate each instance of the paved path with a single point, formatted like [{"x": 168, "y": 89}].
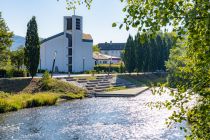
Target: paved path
[{"x": 123, "y": 93}]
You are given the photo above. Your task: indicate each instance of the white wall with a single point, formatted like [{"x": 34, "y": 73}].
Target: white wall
[
  {"x": 47, "y": 54},
  {"x": 116, "y": 53}
]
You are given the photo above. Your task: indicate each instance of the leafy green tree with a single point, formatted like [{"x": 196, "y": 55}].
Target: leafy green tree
[
  {"x": 32, "y": 47},
  {"x": 96, "y": 48},
  {"x": 17, "y": 57},
  {"x": 5, "y": 43}
]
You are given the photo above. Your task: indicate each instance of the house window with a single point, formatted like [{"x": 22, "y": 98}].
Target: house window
[
  {"x": 69, "y": 23},
  {"x": 104, "y": 62},
  {"x": 78, "y": 24}
]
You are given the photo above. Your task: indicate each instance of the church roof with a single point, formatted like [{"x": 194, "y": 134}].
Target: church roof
[
  {"x": 85, "y": 37},
  {"x": 111, "y": 46}
]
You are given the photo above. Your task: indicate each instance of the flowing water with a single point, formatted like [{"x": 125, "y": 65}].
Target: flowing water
[{"x": 91, "y": 119}]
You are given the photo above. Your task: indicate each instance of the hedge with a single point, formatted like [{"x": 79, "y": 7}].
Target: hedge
[{"x": 105, "y": 68}]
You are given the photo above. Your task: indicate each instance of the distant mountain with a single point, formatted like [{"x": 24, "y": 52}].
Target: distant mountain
[{"x": 17, "y": 42}]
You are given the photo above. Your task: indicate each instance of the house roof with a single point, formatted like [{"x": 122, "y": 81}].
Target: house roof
[
  {"x": 99, "y": 56},
  {"x": 85, "y": 37},
  {"x": 111, "y": 46}
]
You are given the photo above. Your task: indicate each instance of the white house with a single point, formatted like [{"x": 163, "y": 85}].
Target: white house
[
  {"x": 113, "y": 49},
  {"x": 105, "y": 59},
  {"x": 71, "y": 48}
]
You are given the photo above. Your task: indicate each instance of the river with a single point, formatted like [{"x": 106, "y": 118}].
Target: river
[{"x": 91, "y": 119}]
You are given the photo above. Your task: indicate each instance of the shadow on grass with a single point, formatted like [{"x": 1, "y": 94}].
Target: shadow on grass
[
  {"x": 14, "y": 85},
  {"x": 147, "y": 79}
]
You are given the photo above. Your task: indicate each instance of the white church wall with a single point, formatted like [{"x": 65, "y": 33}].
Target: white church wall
[{"x": 48, "y": 48}]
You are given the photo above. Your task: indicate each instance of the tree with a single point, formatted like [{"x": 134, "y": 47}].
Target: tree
[
  {"x": 32, "y": 47},
  {"x": 96, "y": 48},
  {"x": 138, "y": 53},
  {"x": 5, "y": 43},
  {"x": 17, "y": 57},
  {"x": 129, "y": 55}
]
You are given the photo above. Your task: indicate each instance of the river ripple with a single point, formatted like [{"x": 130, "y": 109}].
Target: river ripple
[{"x": 91, "y": 119}]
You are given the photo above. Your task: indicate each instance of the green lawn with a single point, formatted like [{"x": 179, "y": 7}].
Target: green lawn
[{"x": 22, "y": 93}]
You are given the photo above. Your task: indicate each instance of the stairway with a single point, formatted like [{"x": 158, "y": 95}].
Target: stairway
[{"x": 100, "y": 84}]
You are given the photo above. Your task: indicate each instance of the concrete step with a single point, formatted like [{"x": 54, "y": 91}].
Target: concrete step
[
  {"x": 90, "y": 88},
  {"x": 94, "y": 80},
  {"x": 99, "y": 90},
  {"x": 101, "y": 87},
  {"x": 103, "y": 84},
  {"x": 91, "y": 85},
  {"x": 79, "y": 81}
]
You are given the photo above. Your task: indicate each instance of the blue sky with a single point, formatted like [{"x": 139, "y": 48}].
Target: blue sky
[{"x": 49, "y": 13}]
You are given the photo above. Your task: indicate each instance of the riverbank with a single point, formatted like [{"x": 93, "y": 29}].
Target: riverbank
[{"x": 19, "y": 93}]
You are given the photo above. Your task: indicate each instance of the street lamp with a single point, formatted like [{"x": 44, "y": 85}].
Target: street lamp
[
  {"x": 83, "y": 63},
  {"x": 55, "y": 53},
  {"x": 110, "y": 62}
]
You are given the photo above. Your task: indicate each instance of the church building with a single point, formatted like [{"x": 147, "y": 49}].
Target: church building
[{"x": 72, "y": 49}]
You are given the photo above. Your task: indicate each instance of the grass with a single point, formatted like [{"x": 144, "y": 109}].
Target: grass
[
  {"x": 116, "y": 88},
  {"x": 26, "y": 93},
  {"x": 144, "y": 79},
  {"x": 25, "y": 100}
]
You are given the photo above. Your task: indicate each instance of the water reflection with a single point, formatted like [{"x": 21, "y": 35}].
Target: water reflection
[{"x": 95, "y": 118}]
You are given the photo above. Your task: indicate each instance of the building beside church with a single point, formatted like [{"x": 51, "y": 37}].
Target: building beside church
[
  {"x": 112, "y": 49},
  {"x": 71, "y": 48},
  {"x": 105, "y": 59}
]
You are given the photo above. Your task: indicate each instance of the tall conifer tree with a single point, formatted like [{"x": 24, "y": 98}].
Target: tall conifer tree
[{"x": 32, "y": 47}]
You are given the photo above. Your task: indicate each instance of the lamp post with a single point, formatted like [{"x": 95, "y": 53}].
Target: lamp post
[
  {"x": 83, "y": 64},
  {"x": 55, "y": 53},
  {"x": 110, "y": 62}
]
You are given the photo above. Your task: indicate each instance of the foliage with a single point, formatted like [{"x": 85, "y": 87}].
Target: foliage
[
  {"x": 96, "y": 48},
  {"x": 105, "y": 68},
  {"x": 57, "y": 86},
  {"x": 32, "y": 47},
  {"x": 149, "y": 53},
  {"x": 128, "y": 56},
  {"x": 19, "y": 73},
  {"x": 3, "y": 73},
  {"x": 5, "y": 43},
  {"x": 199, "y": 119},
  {"x": 122, "y": 67},
  {"x": 19, "y": 101},
  {"x": 17, "y": 58}
]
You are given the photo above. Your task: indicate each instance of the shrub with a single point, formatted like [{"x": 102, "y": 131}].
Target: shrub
[
  {"x": 3, "y": 73},
  {"x": 19, "y": 73},
  {"x": 105, "y": 68},
  {"x": 41, "y": 71}
]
